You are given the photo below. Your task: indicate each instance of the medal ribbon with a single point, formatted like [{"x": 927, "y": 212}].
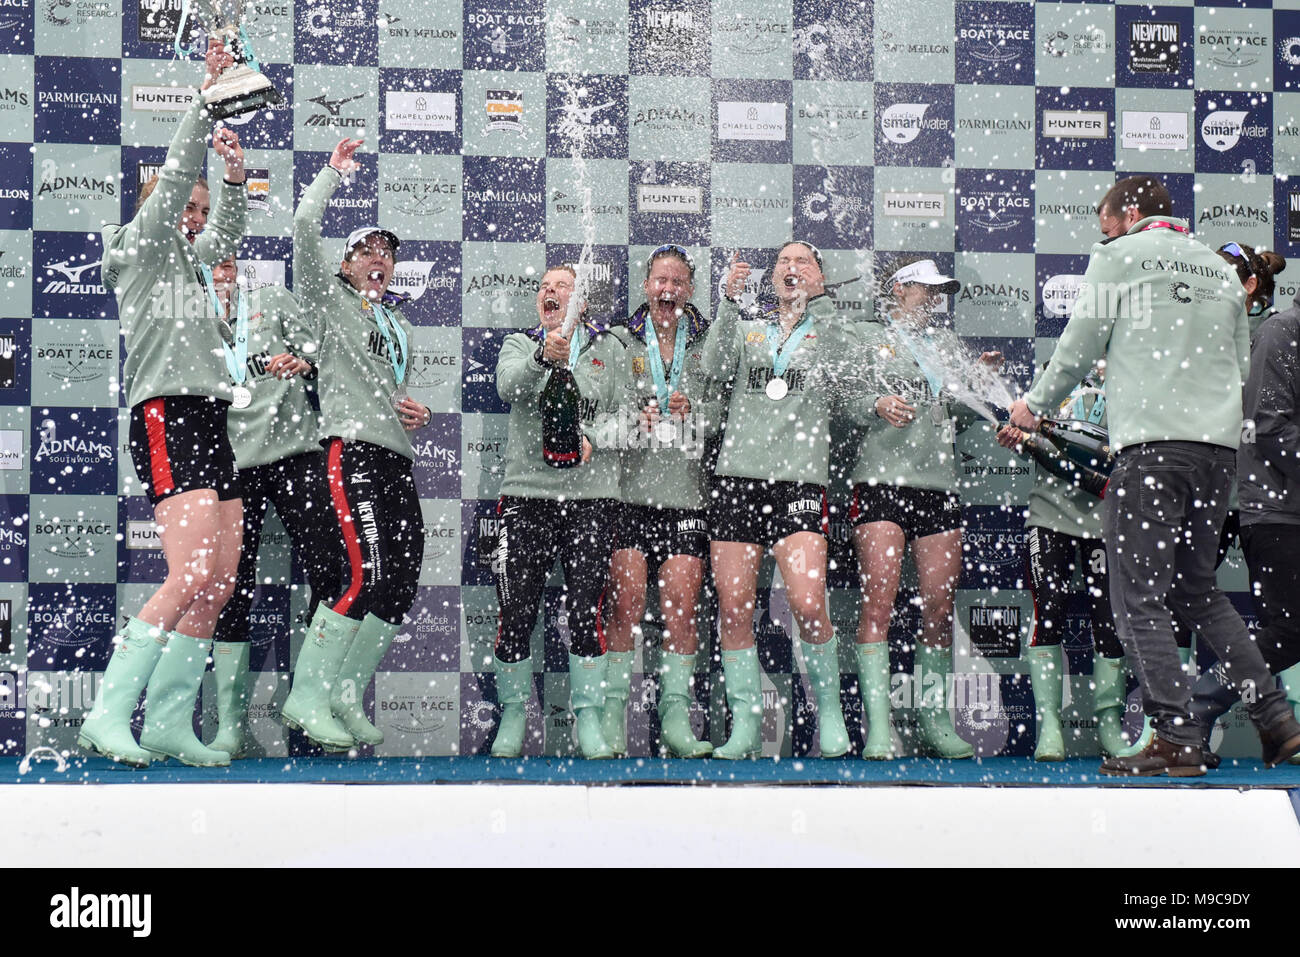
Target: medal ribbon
[
  {"x": 1098, "y": 409},
  {"x": 1163, "y": 225},
  {"x": 781, "y": 357},
  {"x": 236, "y": 358},
  {"x": 396, "y": 356},
  {"x": 666, "y": 386},
  {"x": 921, "y": 350}
]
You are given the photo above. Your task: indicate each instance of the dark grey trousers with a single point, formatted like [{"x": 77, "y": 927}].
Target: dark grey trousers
[{"x": 1165, "y": 507}]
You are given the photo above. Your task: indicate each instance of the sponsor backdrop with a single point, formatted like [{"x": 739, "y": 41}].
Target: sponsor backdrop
[{"x": 982, "y": 133}]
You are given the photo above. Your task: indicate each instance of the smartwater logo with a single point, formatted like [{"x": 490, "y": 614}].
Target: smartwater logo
[{"x": 75, "y": 910}]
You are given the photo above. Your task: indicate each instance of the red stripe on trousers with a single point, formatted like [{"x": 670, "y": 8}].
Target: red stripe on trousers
[
  {"x": 826, "y": 516},
  {"x": 160, "y": 466},
  {"x": 344, "y": 513},
  {"x": 600, "y": 625}
]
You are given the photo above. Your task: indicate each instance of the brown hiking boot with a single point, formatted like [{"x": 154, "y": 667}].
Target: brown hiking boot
[
  {"x": 1159, "y": 757},
  {"x": 1280, "y": 741}
]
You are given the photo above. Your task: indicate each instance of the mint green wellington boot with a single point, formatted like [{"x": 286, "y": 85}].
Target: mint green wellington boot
[
  {"x": 1045, "y": 675},
  {"x": 230, "y": 669},
  {"x": 745, "y": 698},
  {"x": 937, "y": 733},
  {"x": 824, "y": 669},
  {"x": 1109, "y": 676},
  {"x": 169, "y": 704},
  {"x": 368, "y": 647},
  {"x": 873, "y": 681},
  {"x": 514, "y": 688},
  {"x": 675, "y": 732},
  {"x": 1148, "y": 732},
  {"x": 618, "y": 686},
  {"x": 587, "y": 698},
  {"x": 1290, "y": 680},
  {"x": 307, "y": 709},
  {"x": 107, "y": 730}
]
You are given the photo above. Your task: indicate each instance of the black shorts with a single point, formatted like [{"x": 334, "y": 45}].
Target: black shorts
[
  {"x": 661, "y": 533},
  {"x": 762, "y": 512},
  {"x": 179, "y": 444},
  {"x": 919, "y": 512}
]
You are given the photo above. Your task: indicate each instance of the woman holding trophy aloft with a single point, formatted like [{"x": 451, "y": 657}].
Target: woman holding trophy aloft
[{"x": 180, "y": 375}]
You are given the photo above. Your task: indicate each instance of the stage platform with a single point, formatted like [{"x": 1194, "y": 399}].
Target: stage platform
[{"x": 990, "y": 772}]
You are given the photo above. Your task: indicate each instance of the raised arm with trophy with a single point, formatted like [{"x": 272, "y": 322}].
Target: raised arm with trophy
[{"x": 242, "y": 88}]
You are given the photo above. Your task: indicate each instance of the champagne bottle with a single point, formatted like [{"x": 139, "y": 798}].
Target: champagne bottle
[
  {"x": 561, "y": 420},
  {"x": 1050, "y": 458},
  {"x": 1085, "y": 443}
]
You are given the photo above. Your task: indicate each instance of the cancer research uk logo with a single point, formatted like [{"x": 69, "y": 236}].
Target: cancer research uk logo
[
  {"x": 336, "y": 33},
  {"x": 995, "y": 210},
  {"x": 914, "y": 124},
  {"x": 1233, "y": 132}
]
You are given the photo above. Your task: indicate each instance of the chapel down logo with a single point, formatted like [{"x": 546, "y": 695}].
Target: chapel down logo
[{"x": 76, "y": 909}]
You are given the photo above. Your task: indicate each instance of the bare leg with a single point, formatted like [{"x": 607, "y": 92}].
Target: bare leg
[
  {"x": 200, "y": 619},
  {"x": 680, "y": 578},
  {"x": 938, "y": 566},
  {"x": 879, "y": 547},
  {"x": 627, "y": 583},
  {"x": 801, "y": 557},
  {"x": 735, "y": 573},
  {"x": 188, "y": 525}
]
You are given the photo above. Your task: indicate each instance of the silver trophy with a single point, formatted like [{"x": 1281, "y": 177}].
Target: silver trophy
[{"x": 242, "y": 88}]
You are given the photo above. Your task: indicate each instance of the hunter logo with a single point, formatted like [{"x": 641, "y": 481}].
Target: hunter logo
[
  {"x": 1153, "y": 47},
  {"x": 333, "y": 115},
  {"x": 918, "y": 205},
  {"x": 505, "y": 111},
  {"x": 433, "y": 111},
  {"x": 1074, "y": 124},
  {"x": 161, "y": 99},
  {"x": 669, "y": 199}
]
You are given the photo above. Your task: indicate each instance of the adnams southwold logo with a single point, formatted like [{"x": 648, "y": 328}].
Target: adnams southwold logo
[
  {"x": 1233, "y": 214},
  {"x": 12, "y": 98},
  {"x": 670, "y": 118},
  {"x": 71, "y": 450},
  {"x": 63, "y": 184}
]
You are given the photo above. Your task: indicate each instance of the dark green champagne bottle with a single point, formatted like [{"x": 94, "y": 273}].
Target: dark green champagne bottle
[{"x": 561, "y": 420}]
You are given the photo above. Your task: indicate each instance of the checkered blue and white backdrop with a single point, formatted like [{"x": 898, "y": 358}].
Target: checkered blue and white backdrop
[{"x": 982, "y": 133}]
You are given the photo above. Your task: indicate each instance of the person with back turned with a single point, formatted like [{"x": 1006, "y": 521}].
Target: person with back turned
[{"x": 1170, "y": 320}]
